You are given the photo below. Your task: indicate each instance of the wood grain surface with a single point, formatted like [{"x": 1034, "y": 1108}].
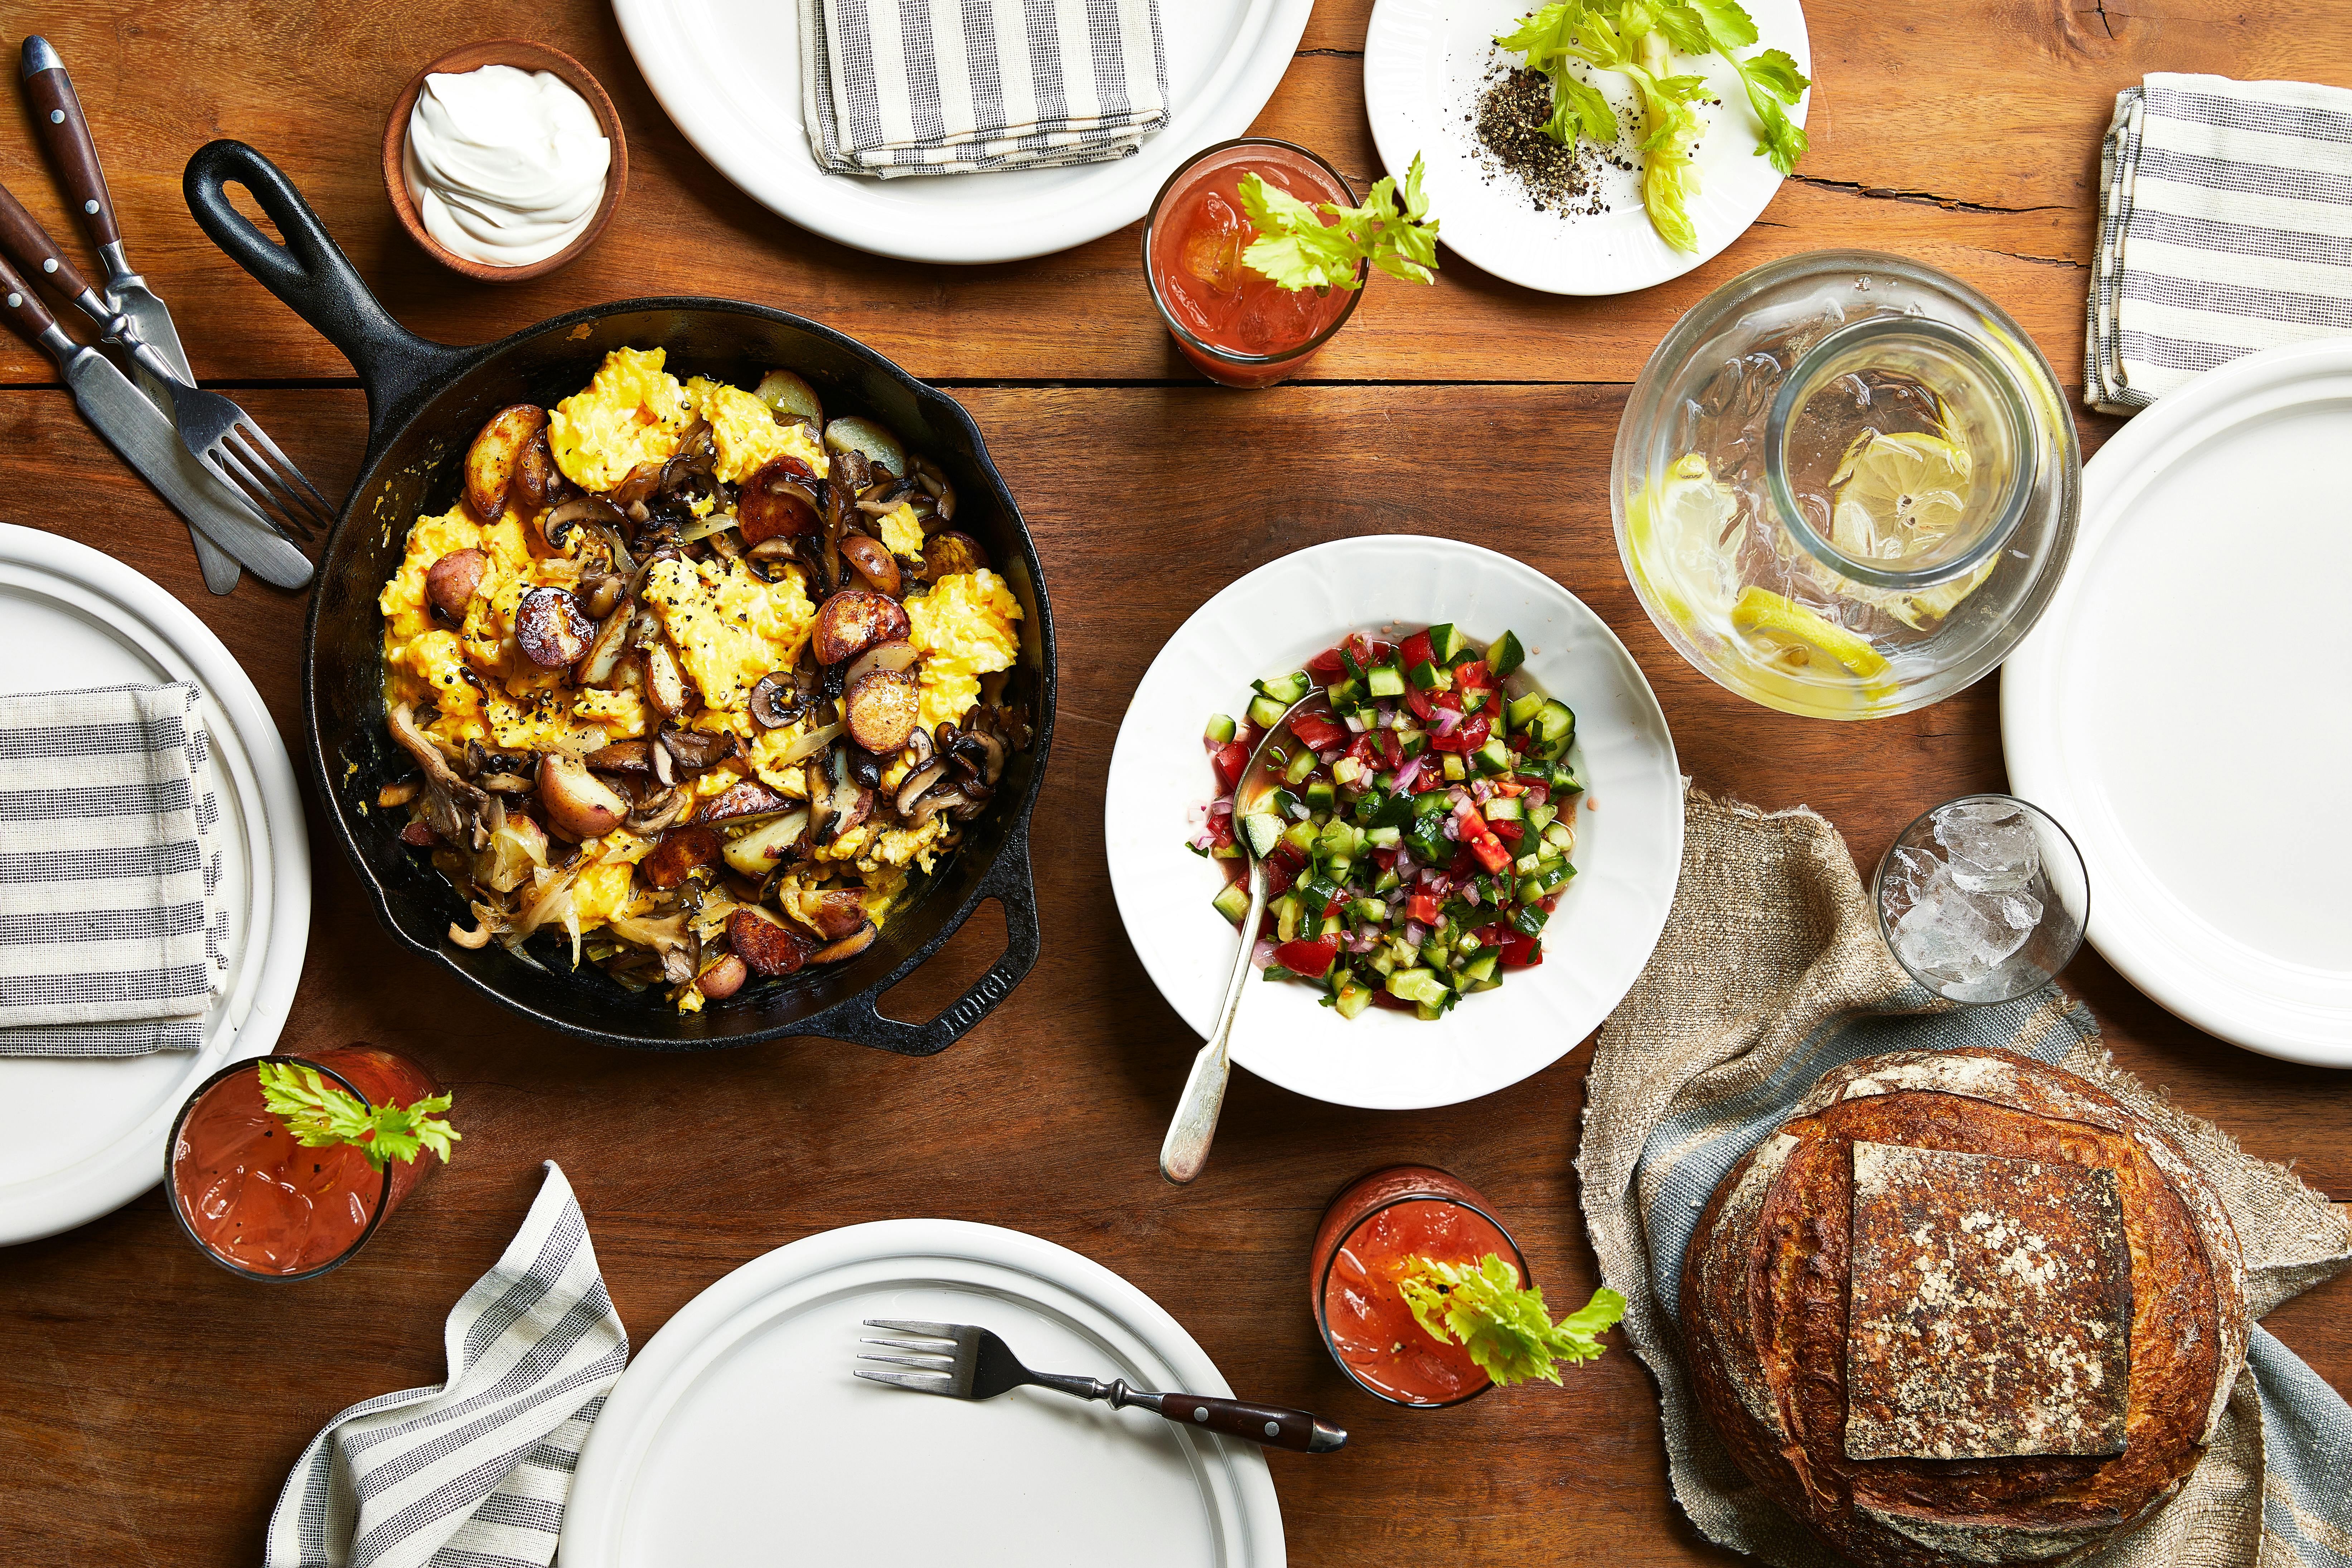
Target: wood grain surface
[{"x": 150, "y": 1406}]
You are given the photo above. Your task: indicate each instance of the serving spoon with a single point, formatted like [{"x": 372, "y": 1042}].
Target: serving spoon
[{"x": 1186, "y": 1148}]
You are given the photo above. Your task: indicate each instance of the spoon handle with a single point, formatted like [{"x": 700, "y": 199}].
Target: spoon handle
[{"x": 1186, "y": 1148}]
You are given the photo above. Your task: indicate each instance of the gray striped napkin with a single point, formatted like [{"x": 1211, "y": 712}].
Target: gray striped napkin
[
  {"x": 2225, "y": 226},
  {"x": 473, "y": 1474},
  {"x": 113, "y": 940},
  {"x": 891, "y": 87}
]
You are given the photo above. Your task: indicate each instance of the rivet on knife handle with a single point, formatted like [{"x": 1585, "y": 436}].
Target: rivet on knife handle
[
  {"x": 24, "y": 304},
  {"x": 67, "y": 134},
  {"x": 28, "y": 245}
]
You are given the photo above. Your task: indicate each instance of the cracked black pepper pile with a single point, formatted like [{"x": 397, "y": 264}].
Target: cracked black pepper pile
[{"x": 1509, "y": 119}]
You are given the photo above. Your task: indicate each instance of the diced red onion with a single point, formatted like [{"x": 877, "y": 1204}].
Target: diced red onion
[
  {"x": 1414, "y": 931},
  {"x": 1387, "y": 711},
  {"x": 1261, "y": 955},
  {"x": 1448, "y": 720},
  {"x": 1328, "y": 758},
  {"x": 1480, "y": 793},
  {"x": 1405, "y": 866},
  {"x": 1453, "y": 828},
  {"x": 1224, "y": 807},
  {"x": 1409, "y": 773},
  {"x": 1203, "y": 843},
  {"x": 1356, "y": 725},
  {"x": 1457, "y": 797},
  {"x": 1537, "y": 794},
  {"x": 1470, "y": 894}
]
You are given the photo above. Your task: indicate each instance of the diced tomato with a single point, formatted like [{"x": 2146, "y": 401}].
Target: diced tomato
[
  {"x": 1380, "y": 998},
  {"x": 1467, "y": 737},
  {"x": 1391, "y": 750},
  {"x": 1229, "y": 760},
  {"x": 1282, "y": 868},
  {"x": 1326, "y": 667},
  {"x": 1519, "y": 951},
  {"x": 1423, "y": 907},
  {"x": 1510, "y": 787},
  {"x": 1418, "y": 700},
  {"x": 1312, "y": 959},
  {"x": 1416, "y": 650},
  {"x": 1317, "y": 734},
  {"x": 1450, "y": 699},
  {"x": 1221, "y": 829},
  {"x": 1473, "y": 674},
  {"x": 1361, "y": 748},
  {"x": 1465, "y": 864},
  {"x": 1384, "y": 859},
  {"x": 1480, "y": 837},
  {"x": 1507, "y": 830}
]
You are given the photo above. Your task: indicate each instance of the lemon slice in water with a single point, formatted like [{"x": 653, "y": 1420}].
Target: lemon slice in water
[
  {"x": 1898, "y": 498},
  {"x": 1786, "y": 632}
]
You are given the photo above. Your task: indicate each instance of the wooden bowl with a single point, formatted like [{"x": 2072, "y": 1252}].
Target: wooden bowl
[{"x": 523, "y": 55}]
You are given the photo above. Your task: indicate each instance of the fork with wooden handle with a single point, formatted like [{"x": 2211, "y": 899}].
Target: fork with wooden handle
[{"x": 963, "y": 1361}]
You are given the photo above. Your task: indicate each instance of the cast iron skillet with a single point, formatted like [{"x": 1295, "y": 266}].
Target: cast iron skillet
[{"x": 426, "y": 400}]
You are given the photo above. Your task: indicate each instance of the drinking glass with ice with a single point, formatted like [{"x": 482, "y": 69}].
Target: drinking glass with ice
[{"x": 1983, "y": 899}]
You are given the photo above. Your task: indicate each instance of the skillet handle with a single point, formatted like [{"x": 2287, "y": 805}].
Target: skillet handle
[
  {"x": 1009, "y": 881},
  {"x": 311, "y": 273}
]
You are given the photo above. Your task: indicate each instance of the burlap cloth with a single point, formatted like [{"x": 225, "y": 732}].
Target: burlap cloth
[{"x": 1771, "y": 972}]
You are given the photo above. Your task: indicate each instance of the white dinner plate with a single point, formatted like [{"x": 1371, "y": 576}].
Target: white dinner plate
[
  {"x": 1425, "y": 62},
  {"x": 1629, "y": 843},
  {"x": 728, "y": 71},
  {"x": 2185, "y": 706},
  {"x": 739, "y": 1437},
  {"x": 86, "y": 1136}
]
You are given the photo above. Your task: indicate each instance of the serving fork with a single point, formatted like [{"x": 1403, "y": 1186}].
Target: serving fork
[{"x": 963, "y": 1361}]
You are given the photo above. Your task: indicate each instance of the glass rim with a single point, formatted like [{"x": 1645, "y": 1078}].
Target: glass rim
[
  {"x": 1152, "y": 276},
  {"x": 172, "y": 1189},
  {"x": 1323, "y": 1285},
  {"x": 1800, "y": 381},
  {"x": 1878, "y": 894}
]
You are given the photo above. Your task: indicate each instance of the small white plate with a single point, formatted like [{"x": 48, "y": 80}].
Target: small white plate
[
  {"x": 1425, "y": 64},
  {"x": 1628, "y": 851},
  {"x": 740, "y": 1436},
  {"x": 86, "y": 1136},
  {"x": 2185, "y": 706},
  {"x": 728, "y": 71}
]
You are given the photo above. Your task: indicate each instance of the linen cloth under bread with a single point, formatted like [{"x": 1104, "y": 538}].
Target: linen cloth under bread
[
  {"x": 891, "y": 87},
  {"x": 1772, "y": 971},
  {"x": 113, "y": 939},
  {"x": 473, "y": 1474},
  {"x": 2225, "y": 226}
]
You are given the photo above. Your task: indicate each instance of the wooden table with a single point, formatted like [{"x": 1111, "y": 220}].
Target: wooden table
[{"x": 150, "y": 1406}]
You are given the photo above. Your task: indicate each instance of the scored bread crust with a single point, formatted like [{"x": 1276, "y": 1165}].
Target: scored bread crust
[{"x": 1765, "y": 1293}]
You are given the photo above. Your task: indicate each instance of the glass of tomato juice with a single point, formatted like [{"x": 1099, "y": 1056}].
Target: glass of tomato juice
[
  {"x": 263, "y": 1206},
  {"x": 1236, "y": 326},
  {"x": 1382, "y": 1220}
]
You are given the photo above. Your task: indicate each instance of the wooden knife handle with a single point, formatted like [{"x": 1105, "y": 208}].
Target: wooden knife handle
[
  {"x": 24, "y": 303},
  {"x": 67, "y": 134},
  {"x": 1270, "y": 1425},
  {"x": 28, "y": 245}
]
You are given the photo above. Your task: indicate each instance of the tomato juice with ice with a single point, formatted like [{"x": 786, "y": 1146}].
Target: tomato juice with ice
[
  {"x": 265, "y": 1206},
  {"x": 1236, "y": 325},
  {"x": 1368, "y": 1235}
]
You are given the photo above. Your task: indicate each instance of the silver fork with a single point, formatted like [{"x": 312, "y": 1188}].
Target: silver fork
[
  {"x": 963, "y": 1361},
  {"x": 224, "y": 438}
]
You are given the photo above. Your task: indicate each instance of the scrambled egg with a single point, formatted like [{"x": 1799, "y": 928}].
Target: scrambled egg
[
  {"x": 963, "y": 629},
  {"x": 746, "y": 432},
  {"x": 631, "y": 412},
  {"x": 729, "y": 628},
  {"x": 902, "y": 534}
]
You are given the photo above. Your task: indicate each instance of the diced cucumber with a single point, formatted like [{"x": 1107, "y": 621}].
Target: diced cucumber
[
  {"x": 1226, "y": 852},
  {"x": 1474, "y": 698},
  {"x": 1540, "y": 814},
  {"x": 1524, "y": 709},
  {"x": 1430, "y": 802},
  {"x": 1299, "y": 767},
  {"x": 1493, "y": 758},
  {"x": 1434, "y": 952},
  {"x": 1346, "y": 694},
  {"x": 1529, "y": 919},
  {"x": 1451, "y": 767},
  {"x": 1285, "y": 688},
  {"x": 1338, "y": 840},
  {"x": 1504, "y": 655},
  {"x": 1447, "y": 644},
  {"x": 1526, "y": 865},
  {"x": 1330, "y": 926},
  {"x": 1389, "y": 882},
  {"x": 1300, "y": 836},
  {"x": 1381, "y": 963},
  {"x": 1263, "y": 830},
  {"x": 1502, "y": 808},
  {"x": 1428, "y": 676},
  {"x": 1481, "y": 967},
  {"x": 1564, "y": 779},
  {"x": 1560, "y": 836},
  {"x": 1320, "y": 795},
  {"x": 1352, "y": 999},
  {"x": 1221, "y": 729},
  {"x": 1285, "y": 917},
  {"x": 1554, "y": 730},
  {"x": 1531, "y": 891},
  {"x": 1234, "y": 902},
  {"x": 1371, "y": 909},
  {"x": 1286, "y": 804},
  {"x": 1385, "y": 681},
  {"x": 1351, "y": 772},
  {"x": 1383, "y": 838},
  {"x": 1416, "y": 985},
  {"x": 1265, "y": 712}
]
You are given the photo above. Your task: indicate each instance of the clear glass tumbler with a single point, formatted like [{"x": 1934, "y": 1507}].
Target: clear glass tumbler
[{"x": 1983, "y": 899}]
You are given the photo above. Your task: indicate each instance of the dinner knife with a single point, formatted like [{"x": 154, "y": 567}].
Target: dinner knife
[
  {"x": 58, "y": 112},
  {"x": 151, "y": 444}
]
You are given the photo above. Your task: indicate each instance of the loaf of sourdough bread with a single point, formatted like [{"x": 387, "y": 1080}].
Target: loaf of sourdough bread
[{"x": 1964, "y": 1307}]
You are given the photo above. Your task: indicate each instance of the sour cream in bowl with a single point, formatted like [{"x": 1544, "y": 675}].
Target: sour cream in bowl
[{"x": 504, "y": 160}]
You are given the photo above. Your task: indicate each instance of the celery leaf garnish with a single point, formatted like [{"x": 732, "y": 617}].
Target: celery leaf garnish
[
  {"x": 321, "y": 1116},
  {"x": 1510, "y": 1334},
  {"x": 1297, "y": 249}
]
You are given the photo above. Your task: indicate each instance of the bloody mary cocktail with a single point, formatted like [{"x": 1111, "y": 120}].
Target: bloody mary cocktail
[
  {"x": 1366, "y": 1236},
  {"x": 1238, "y": 327},
  {"x": 260, "y": 1204}
]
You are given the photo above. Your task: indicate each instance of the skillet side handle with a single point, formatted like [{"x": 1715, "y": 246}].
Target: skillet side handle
[
  {"x": 311, "y": 273},
  {"x": 1010, "y": 883}
]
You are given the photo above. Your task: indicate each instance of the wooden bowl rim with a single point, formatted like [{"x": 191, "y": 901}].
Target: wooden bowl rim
[{"x": 524, "y": 54}]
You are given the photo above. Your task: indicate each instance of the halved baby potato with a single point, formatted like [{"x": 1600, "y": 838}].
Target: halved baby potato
[
  {"x": 878, "y": 445},
  {"x": 882, "y": 710},
  {"x": 785, "y": 393},
  {"x": 759, "y": 851},
  {"x": 491, "y": 460},
  {"x": 855, "y": 619}
]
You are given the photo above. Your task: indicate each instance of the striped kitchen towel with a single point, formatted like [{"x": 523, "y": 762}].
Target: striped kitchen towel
[
  {"x": 2225, "y": 226},
  {"x": 114, "y": 939},
  {"x": 473, "y": 1474},
  {"x": 890, "y": 88}
]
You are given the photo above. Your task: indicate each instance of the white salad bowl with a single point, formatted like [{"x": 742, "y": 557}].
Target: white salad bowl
[{"x": 1628, "y": 824}]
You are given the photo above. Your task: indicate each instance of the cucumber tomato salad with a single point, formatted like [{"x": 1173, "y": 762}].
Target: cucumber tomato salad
[{"x": 1416, "y": 839}]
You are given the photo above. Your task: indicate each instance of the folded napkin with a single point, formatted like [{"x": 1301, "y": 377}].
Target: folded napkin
[
  {"x": 2225, "y": 226},
  {"x": 112, "y": 942},
  {"x": 473, "y": 1474},
  {"x": 1771, "y": 972},
  {"x": 891, "y": 87}
]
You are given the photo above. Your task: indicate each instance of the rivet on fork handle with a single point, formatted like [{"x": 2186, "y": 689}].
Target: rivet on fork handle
[{"x": 1267, "y": 1424}]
